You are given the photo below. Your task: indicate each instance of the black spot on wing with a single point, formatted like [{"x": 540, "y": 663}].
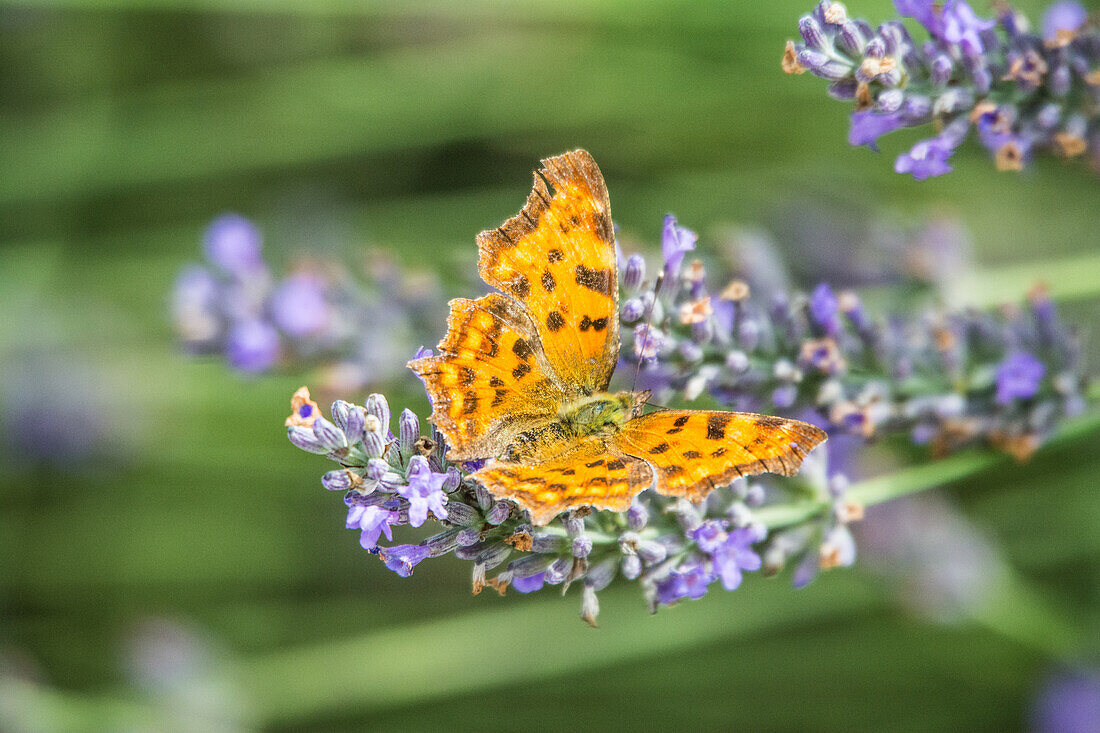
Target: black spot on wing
[
  {"x": 522, "y": 349},
  {"x": 521, "y": 371},
  {"x": 554, "y": 321},
  {"x": 548, "y": 282},
  {"x": 596, "y": 280}
]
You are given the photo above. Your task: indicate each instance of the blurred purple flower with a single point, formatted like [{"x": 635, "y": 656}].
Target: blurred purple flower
[
  {"x": 1069, "y": 703},
  {"x": 926, "y": 159},
  {"x": 1018, "y": 377},
  {"x": 824, "y": 308},
  {"x": 424, "y": 491},
  {"x": 676, "y": 241},
  {"x": 1066, "y": 16},
  {"x": 233, "y": 243},
  {"x": 298, "y": 306},
  {"x": 401, "y": 559},
  {"x": 252, "y": 346}
]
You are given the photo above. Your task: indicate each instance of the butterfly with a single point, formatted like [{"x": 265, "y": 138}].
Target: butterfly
[{"x": 521, "y": 375}]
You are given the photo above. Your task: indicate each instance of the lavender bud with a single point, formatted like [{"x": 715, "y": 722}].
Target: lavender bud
[
  {"x": 547, "y": 544},
  {"x": 528, "y": 565},
  {"x": 850, "y": 39},
  {"x": 748, "y": 335},
  {"x": 690, "y": 352},
  {"x": 558, "y": 569},
  {"x": 493, "y": 555},
  {"x": 575, "y": 527},
  {"x": 590, "y": 606},
  {"x": 442, "y": 543},
  {"x": 983, "y": 80},
  {"x": 635, "y": 272},
  {"x": 409, "y": 429},
  {"x": 377, "y": 469},
  {"x": 637, "y": 516},
  {"x": 304, "y": 439},
  {"x": 1060, "y": 81},
  {"x": 499, "y": 513},
  {"x": 484, "y": 498},
  {"x": 355, "y": 425},
  {"x": 461, "y": 514},
  {"x": 838, "y": 485},
  {"x": 632, "y": 567},
  {"x": 339, "y": 411},
  {"x": 1049, "y": 115},
  {"x": 820, "y": 65},
  {"x": 942, "y": 68},
  {"x": 338, "y": 480},
  {"x": 601, "y": 574},
  {"x": 891, "y": 78},
  {"x": 737, "y": 362},
  {"x": 582, "y": 546},
  {"x": 373, "y": 445},
  {"x": 890, "y": 100},
  {"x": 917, "y": 109},
  {"x": 875, "y": 49},
  {"x": 468, "y": 536},
  {"x": 377, "y": 406},
  {"x": 754, "y": 495},
  {"x": 329, "y": 435},
  {"x": 812, "y": 33},
  {"x": 453, "y": 481},
  {"x": 843, "y": 90},
  {"x": 633, "y": 310},
  {"x": 652, "y": 552},
  {"x": 702, "y": 332}
]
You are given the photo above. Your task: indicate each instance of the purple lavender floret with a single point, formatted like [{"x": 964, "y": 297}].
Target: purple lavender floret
[
  {"x": 1018, "y": 377},
  {"x": 1023, "y": 93},
  {"x": 676, "y": 241},
  {"x": 401, "y": 559},
  {"x": 424, "y": 491}
]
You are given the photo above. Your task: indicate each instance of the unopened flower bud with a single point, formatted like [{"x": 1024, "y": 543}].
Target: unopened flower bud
[
  {"x": 633, "y": 310},
  {"x": 305, "y": 439},
  {"x": 328, "y": 435},
  {"x": 812, "y": 33},
  {"x": 582, "y": 546},
  {"x": 632, "y": 567},
  {"x": 652, "y": 552},
  {"x": 499, "y": 513},
  {"x": 637, "y": 516},
  {"x": 558, "y": 570},
  {"x": 380, "y": 409},
  {"x": 635, "y": 272},
  {"x": 408, "y": 429}
]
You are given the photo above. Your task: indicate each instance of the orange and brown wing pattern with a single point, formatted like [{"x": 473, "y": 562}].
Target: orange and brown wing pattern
[
  {"x": 696, "y": 451},
  {"x": 590, "y": 473},
  {"x": 557, "y": 258},
  {"x": 489, "y": 381}
]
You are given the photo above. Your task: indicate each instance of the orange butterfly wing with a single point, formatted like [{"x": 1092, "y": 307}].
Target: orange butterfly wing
[
  {"x": 589, "y": 473},
  {"x": 557, "y": 258},
  {"x": 489, "y": 382},
  {"x": 696, "y": 451}
]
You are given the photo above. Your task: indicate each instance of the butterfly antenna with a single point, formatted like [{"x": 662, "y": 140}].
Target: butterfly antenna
[{"x": 645, "y": 339}]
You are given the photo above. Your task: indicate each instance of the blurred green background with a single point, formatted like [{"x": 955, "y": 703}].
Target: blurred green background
[{"x": 181, "y": 568}]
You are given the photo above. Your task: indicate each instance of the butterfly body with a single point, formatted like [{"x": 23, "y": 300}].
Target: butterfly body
[{"x": 522, "y": 375}]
